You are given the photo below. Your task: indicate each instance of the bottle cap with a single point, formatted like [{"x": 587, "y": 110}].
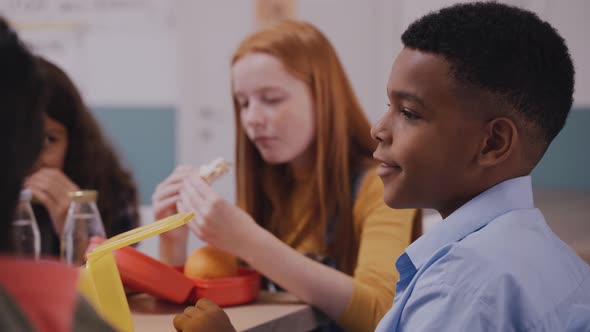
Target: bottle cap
[{"x": 83, "y": 195}]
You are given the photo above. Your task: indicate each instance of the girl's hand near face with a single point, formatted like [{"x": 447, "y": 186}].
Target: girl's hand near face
[
  {"x": 217, "y": 221},
  {"x": 50, "y": 186}
]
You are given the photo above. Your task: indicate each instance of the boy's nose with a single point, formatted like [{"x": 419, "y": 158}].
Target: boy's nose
[
  {"x": 375, "y": 133},
  {"x": 379, "y": 129}
]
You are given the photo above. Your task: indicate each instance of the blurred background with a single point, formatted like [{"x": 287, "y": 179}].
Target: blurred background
[{"x": 156, "y": 75}]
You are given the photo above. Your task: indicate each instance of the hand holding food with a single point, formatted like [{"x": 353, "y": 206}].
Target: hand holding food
[{"x": 217, "y": 221}]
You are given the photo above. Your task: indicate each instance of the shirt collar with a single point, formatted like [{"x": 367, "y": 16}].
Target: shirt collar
[{"x": 504, "y": 197}]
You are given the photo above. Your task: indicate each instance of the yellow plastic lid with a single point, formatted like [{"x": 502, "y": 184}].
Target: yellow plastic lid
[{"x": 100, "y": 281}]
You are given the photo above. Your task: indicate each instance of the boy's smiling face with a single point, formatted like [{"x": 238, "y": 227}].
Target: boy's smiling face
[{"x": 428, "y": 139}]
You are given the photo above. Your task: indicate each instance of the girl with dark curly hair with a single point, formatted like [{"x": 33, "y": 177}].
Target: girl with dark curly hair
[{"x": 76, "y": 156}]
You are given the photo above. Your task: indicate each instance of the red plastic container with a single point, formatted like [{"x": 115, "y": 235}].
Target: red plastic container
[
  {"x": 142, "y": 273},
  {"x": 229, "y": 291}
]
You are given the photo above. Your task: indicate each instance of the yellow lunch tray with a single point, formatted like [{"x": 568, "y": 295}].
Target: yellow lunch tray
[{"x": 100, "y": 281}]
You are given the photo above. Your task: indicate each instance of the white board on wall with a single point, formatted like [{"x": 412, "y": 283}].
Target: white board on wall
[{"x": 119, "y": 52}]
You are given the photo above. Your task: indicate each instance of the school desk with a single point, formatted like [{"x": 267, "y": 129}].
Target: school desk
[{"x": 270, "y": 312}]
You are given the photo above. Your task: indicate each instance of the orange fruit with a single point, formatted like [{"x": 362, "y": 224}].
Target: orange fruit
[{"x": 207, "y": 263}]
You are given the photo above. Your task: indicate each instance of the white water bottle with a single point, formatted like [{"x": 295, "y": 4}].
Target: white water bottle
[
  {"x": 26, "y": 239},
  {"x": 83, "y": 221}
]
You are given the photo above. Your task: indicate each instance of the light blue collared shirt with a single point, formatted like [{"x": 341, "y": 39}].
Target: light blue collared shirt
[{"x": 492, "y": 265}]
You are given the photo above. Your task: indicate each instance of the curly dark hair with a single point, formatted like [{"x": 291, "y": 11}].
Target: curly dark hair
[
  {"x": 20, "y": 124},
  {"x": 506, "y": 51},
  {"x": 91, "y": 161}
]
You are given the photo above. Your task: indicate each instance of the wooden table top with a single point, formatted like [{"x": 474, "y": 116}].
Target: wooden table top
[{"x": 270, "y": 312}]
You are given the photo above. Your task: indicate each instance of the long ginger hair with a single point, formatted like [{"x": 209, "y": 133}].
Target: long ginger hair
[{"x": 343, "y": 145}]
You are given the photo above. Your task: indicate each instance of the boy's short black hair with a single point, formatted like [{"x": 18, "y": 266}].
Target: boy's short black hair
[
  {"x": 20, "y": 123},
  {"x": 508, "y": 52}
]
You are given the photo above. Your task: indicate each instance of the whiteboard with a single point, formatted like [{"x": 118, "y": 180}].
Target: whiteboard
[{"x": 117, "y": 51}]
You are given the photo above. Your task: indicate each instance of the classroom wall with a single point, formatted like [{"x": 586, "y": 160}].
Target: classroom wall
[
  {"x": 123, "y": 57},
  {"x": 156, "y": 73}
]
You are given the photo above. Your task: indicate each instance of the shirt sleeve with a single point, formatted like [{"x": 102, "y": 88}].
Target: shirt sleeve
[
  {"x": 384, "y": 235},
  {"x": 464, "y": 291},
  {"x": 443, "y": 308}
]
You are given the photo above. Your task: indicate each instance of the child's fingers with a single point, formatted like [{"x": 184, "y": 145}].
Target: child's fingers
[
  {"x": 207, "y": 305},
  {"x": 164, "y": 204},
  {"x": 179, "y": 206},
  {"x": 196, "y": 230},
  {"x": 183, "y": 168},
  {"x": 181, "y": 320},
  {"x": 56, "y": 190},
  {"x": 42, "y": 196},
  {"x": 57, "y": 178},
  {"x": 201, "y": 186},
  {"x": 188, "y": 203},
  {"x": 191, "y": 195},
  {"x": 166, "y": 191},
  {"x": 177, "y": 176}
]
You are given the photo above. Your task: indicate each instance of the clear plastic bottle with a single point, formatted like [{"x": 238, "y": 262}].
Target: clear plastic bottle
[
  {"x": 25, "y": 231},
  {"x": 83, "y": 221}
]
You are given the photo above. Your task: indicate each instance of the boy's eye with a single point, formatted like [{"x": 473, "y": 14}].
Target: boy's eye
[{"x": 408, "y": 114}]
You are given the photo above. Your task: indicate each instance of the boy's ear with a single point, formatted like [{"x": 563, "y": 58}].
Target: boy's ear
[{"x": 499, "y": 142}]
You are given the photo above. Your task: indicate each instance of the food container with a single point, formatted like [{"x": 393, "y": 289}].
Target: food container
[
  {"x": 142, "y": 273},
  {"x": 228, "y": 291},
  {"x": 100, "y": 281}
]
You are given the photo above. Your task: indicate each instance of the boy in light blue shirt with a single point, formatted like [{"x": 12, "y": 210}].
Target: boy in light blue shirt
[{"x": 477, "y": 94}]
